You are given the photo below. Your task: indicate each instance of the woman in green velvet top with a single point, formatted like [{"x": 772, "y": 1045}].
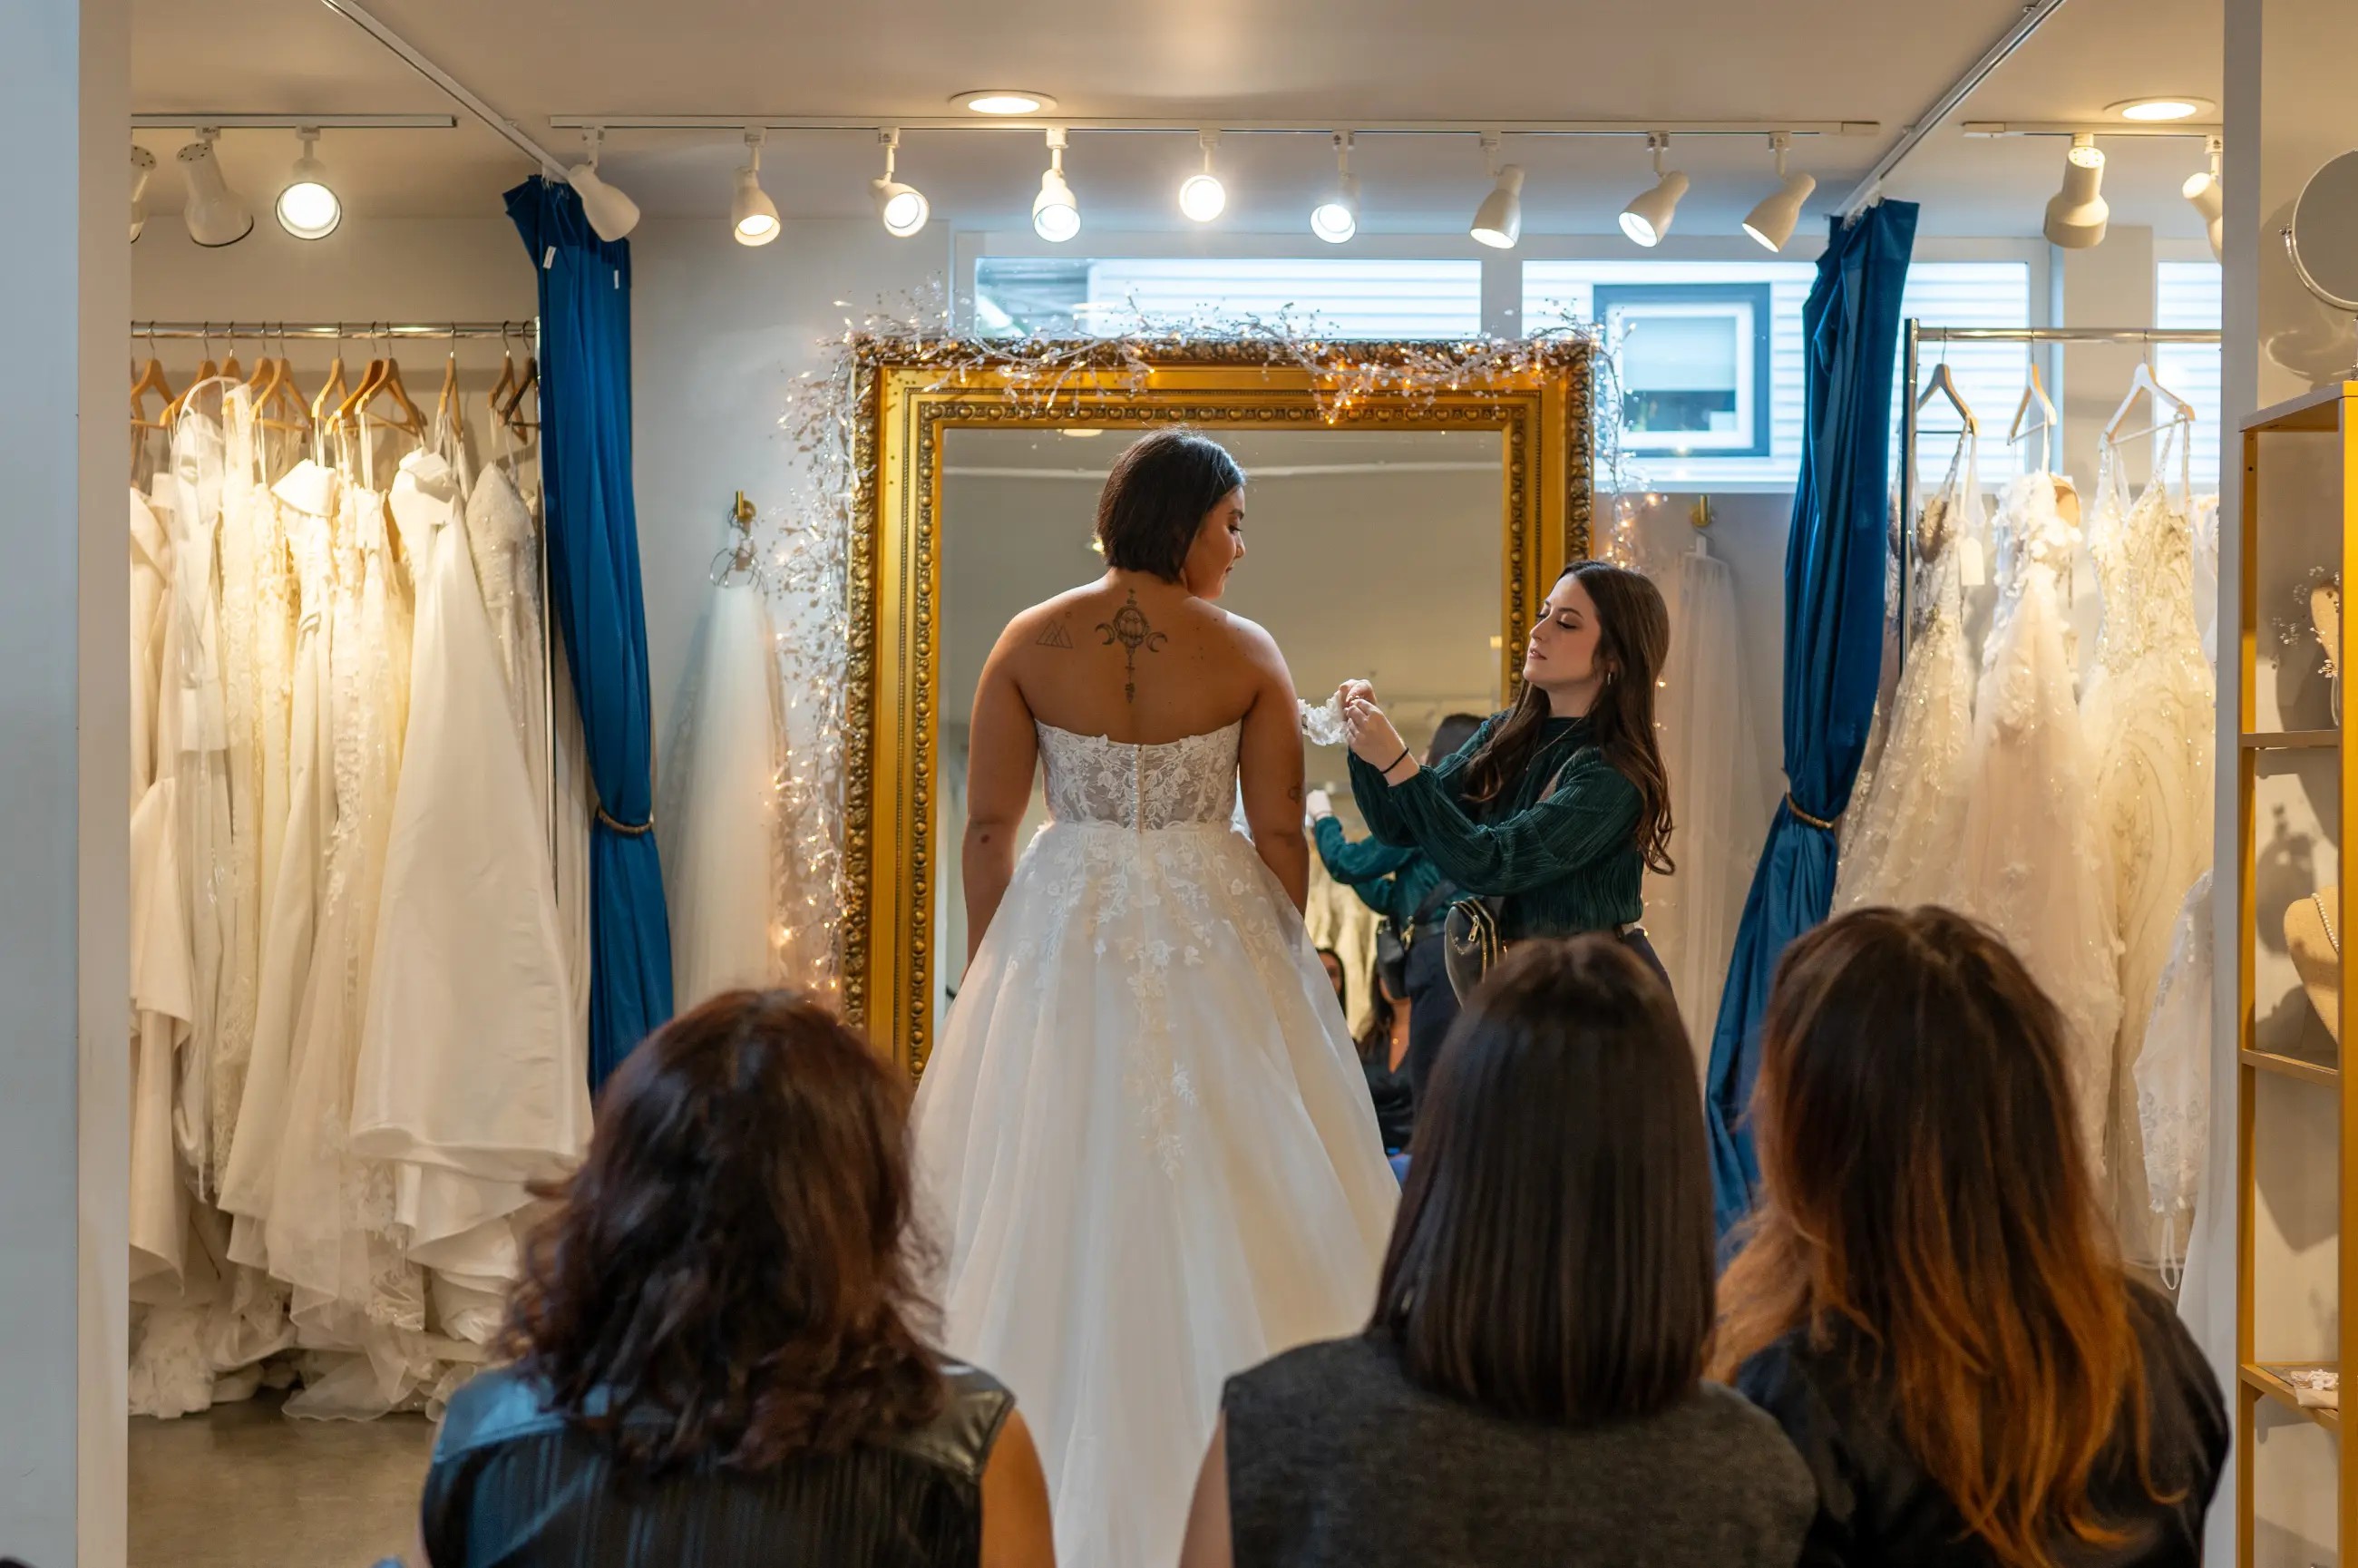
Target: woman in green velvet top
[{"x": 1560, "y": 805}]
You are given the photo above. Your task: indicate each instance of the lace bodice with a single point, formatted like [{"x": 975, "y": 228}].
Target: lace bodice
[{"x": 1176, "y": 784}]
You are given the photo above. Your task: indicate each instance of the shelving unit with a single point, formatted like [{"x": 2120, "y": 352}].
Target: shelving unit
[{"x": 2279, "y": 521}]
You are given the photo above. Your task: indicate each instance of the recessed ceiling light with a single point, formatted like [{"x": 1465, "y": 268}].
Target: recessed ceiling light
[
  {"x": 1004, "y": 101},
  {"x": 2161, "y": 108}
]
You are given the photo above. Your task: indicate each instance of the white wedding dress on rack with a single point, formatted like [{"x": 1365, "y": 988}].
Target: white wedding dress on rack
[
  {"x": 2034, "y": 861},
  {"x": 718, "y": 821},
  {"x": 1144, "y": 1143},
  {"x": 1908, "y": 822},
  {"x": 2147, "y": 710},
  {"x": 1708, "y": 749}
]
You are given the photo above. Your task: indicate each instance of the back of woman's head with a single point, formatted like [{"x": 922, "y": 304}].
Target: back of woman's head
[
  {"x": 732, "y": 1259},
  {"x": 1156, "y": 497},
  {"x": 1552, "y": 1256},
  {"x": 1927, "y": 1207}
]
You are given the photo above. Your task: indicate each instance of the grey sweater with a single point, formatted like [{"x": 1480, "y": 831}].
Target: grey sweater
[{"x": 1336, "y": 1460}]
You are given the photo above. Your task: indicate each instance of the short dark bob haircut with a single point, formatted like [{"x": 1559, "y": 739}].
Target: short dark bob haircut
[
  {"x": 1155, "y": 500},
  {"x": 730, "y": 1280},
  {"x": 1553, "y": 1257}
]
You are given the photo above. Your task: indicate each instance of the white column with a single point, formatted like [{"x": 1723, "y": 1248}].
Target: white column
[{"x": 64, "y": 764}]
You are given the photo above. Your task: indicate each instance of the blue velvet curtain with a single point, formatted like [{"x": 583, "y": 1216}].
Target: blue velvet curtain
[
  {"x": 593, "y": 570},
  {"x": 1833, "y": 646}
]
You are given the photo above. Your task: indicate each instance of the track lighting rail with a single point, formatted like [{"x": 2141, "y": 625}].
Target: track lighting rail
[
  {"x": 1196, "y": 127},
  {"x": 2199, "y": 130},
  {"x": 294, "y": 121}
]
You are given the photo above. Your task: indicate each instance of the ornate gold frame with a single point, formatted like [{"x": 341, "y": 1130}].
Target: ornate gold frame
[{"x": 906, "y": 396}]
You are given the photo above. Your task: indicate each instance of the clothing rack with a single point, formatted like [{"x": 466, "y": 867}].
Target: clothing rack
[
  {"x": 526, "y": 332},
  {"x": 348, "y": 330},
  {"x": 1914, "y": 333}
]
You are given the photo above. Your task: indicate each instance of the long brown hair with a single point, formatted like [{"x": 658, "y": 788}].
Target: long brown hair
[
  {"x": 1551, "y": 1260},
  {"x": 1927, "y": 1205},
  {"x": 732, "y": 1260},
  {"x": 1633, "y": 638}
]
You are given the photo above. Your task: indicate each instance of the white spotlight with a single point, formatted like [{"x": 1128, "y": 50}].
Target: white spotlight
[
  {"x": 1005, "y": 101},
  {"x": 752, "y": 216},
  {"x": 2203, "y": 190},
  {"x": 2076, "y": 215},
  {"x": 1498, "y": 221},
  {"x": 143, "y": 169},
  {"x": 611, "y": 213},
  {"x": 903, "y": 208},
  {"x": 1055, "y": 215},
  {"x": 307, "y": 208},
  {"x": 1647, "y": 219},
  {"x": 216, "y": 214},
  {"x": 1202, "y": 196},
  {"x": 1772, "y": 222},
  {"x": 1336, "y": 219}
]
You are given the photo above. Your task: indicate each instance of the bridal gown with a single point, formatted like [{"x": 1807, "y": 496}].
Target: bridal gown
[
  {"x": 1909, "y": 820},
  {"x": 2147, "y": 710},
  {"x": 2035, "y": 862},
  {"x": 719, "y": 820},
  {"x": 472, "y": 1080},
  {"x": 1144, "y": 1143}
]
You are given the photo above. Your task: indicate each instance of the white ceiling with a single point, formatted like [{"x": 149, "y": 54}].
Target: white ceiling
[
  {"x": 1380, "y": 573},
  {"x": 1318, "y": 60}
]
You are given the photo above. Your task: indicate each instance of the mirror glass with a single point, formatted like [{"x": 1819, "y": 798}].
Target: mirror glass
[
  {"x": 1375, "y": 555},
  {"x": 2325, "y": 231}
]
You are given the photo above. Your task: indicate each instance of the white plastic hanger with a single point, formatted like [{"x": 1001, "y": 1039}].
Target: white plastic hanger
[
  {"x": 2144, "y": 381},
  {"x": 2035, "y": 390}
]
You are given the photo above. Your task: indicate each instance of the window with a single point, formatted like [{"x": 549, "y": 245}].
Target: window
[
  {"x": 1337, "y": 297},
  {"x": 1696, "y": 343},
  {"x": 2186, "y": 294},
  {"x": 1991, "y": 376},
  {"x": 1694, "y": 366}
]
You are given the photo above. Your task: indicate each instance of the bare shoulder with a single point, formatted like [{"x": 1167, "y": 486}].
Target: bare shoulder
[
  {"x": 1252, "y": 641},
  {"x": 1051, "y": 623}
]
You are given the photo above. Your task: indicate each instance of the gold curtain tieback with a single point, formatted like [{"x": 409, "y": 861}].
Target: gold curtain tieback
[
  {"x": 1789, "y": 806},
  {"x": 625, "y": 828}
]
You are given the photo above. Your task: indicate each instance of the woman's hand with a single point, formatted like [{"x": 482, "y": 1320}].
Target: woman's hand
[{"x": 1373, "y": 739}]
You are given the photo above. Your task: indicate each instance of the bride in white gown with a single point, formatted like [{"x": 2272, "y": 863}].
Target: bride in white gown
[{"x": 1145, "y": 1143}]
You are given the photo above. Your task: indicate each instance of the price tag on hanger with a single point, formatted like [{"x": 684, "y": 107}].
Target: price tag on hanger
[{"x": 1972, "y": 562}]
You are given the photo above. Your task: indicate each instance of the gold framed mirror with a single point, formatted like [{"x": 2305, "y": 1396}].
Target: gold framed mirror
[{"x": 1489, "y": 458}]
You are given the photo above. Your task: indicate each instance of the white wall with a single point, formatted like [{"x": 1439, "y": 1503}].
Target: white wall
[{"x": 64, "y": 776}]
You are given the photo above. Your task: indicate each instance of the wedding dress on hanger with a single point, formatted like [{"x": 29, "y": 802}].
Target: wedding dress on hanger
[
  {"x": 330, "y": 1232},
  {"x": 720, "y": 823},
  {"x": 1908, "y": 823},
  {"x": 1144, "y": 1144},
  {"x": 472, "y": 1080},
  {"x": 2034, "y": 862},
  {"x": 1710, "y": 753},
  {"x": 2148, "y": 712},
  {"x": 2172, "y": 1076},
  {"x": 311, "y": 499}
]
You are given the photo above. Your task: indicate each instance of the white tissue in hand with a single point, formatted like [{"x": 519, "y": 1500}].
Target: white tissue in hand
[{"x": 1321, "y": 726}]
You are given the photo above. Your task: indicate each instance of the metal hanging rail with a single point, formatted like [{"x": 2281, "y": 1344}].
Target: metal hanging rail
[
  {"x": 1915, "y": 333},
  {"x": 348, "y": 330}
]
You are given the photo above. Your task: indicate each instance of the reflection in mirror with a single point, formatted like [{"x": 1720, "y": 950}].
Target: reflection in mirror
[{"x": 1373, "y": 555}]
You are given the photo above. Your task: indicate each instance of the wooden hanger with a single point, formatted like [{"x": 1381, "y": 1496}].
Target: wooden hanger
[
  {"x": 1940, "y": 384},
  {"x": 150, "y": 378},
  {"x": 206, "y": 371},
  {"x": 384, "y": 376},
  {"x": 2143, "y": 381},
  {"x": 230, "y": 367},
  {"x": 284, "y": 397},
  {"x": 507, "y": 381},
  {"x": 511, "y": 413},
  {"x": 331, "y": 395},
  {"x": 2035, "y": 390},
  {"x": 445, "y": 404}
]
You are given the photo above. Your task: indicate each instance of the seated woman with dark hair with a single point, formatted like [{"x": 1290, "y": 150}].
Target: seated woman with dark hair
[
  {"x": 1531, "y": 1389},
  {"x": 721, "y": 1354},
  {"x": 1930, "y": 1300}
]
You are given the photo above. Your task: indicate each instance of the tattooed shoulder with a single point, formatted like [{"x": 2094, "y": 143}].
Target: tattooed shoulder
[{"x": 1059, "y": 633}]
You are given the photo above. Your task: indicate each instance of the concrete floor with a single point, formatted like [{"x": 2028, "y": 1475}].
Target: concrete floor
[{"x": 242, "y": 1486}]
